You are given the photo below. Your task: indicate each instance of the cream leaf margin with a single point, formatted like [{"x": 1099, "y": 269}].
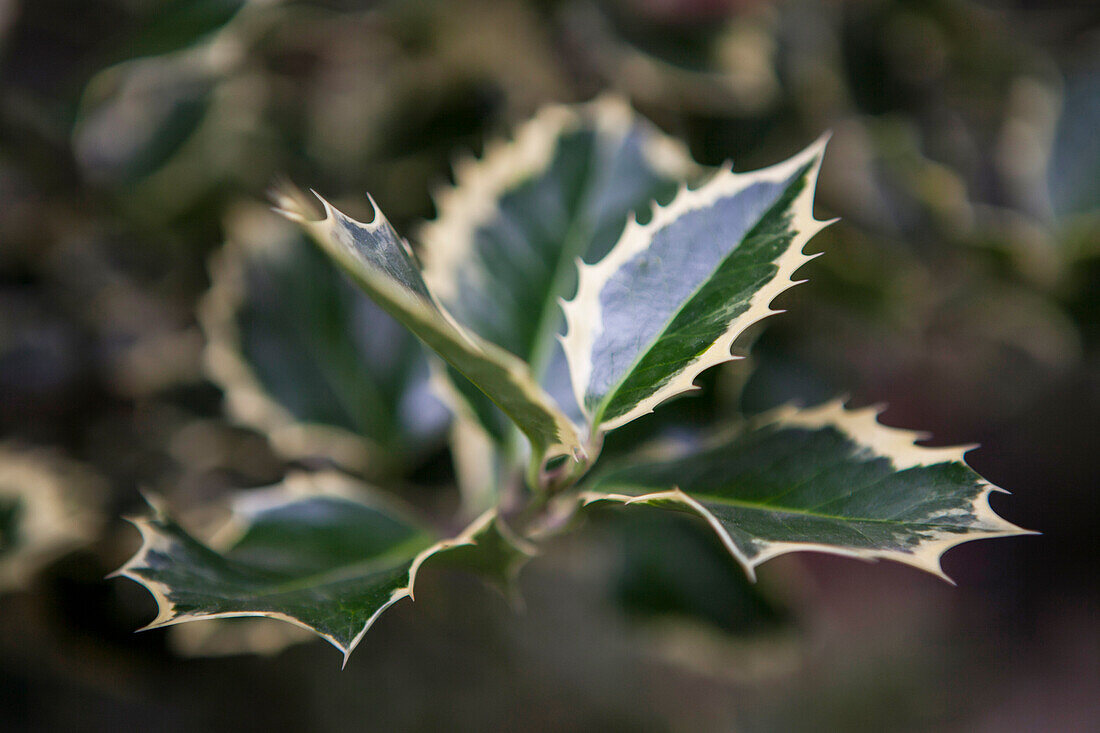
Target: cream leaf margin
[
  {"x": 295, "y": 487},
  {"x": 583, "y": 314},
  {"x": 61, "y": 504},
  {"x": 896, "y": 444},
  {"x": 431, "y": 322}
]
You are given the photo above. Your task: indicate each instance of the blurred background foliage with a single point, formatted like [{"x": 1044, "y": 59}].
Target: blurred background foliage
[{"x": 961, "y": 287}]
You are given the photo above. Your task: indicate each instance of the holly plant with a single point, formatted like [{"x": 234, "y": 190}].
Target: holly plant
[{"x": 553, "y": 316}]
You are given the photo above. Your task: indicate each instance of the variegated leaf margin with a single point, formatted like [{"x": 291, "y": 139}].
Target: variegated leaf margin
[
  {"x": 384, "y": 266},
  {"x": 674, "y": 294},
  {"x": 192, "y": 582},
  {"x": 825, "y": 479},
  {"x": 500, "y": 253},
  {"x": 508, "y": 230}
]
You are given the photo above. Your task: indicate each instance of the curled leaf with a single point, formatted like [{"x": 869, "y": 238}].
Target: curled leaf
[{"x": 383, "y": 265}]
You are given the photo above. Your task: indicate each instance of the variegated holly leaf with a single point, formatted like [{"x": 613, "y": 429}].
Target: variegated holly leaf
[
  {"x": 307, "y": 358},
  {"x": 137, "y": 116},
  {"x": 500, "y": 254},
  {"x": 674, "y": 294},
  {"x": 502, "y": 250},
  {"x": 825, "y": 479},
  {"x": 382, "y": 263},
  {"x": 315, "y": 551}
]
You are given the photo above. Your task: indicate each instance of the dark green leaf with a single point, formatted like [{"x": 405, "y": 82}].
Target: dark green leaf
[
  {"x": 177, "y": 24},
  {"x": 316, "y": 551},
  {"x": 824, "y": 479}
]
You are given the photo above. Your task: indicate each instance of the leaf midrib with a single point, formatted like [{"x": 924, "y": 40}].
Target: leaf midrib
[
  {"x": 605, "y": 402},
  {"x": 757, "y": 506},
  {"x": 577, "y": 236},
  {"x": 392, "y": 558}
]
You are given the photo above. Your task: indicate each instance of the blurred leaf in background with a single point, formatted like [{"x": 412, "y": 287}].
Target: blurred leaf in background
[
  {"x": 304, "y": 356},
  {"x": 49, "y": 506}
]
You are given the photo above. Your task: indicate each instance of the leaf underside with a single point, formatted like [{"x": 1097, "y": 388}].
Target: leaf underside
[
  {"x": 825, "y": 479},
  {"x": 674, "y": 294},
  {"x": 314, "y": 551}
]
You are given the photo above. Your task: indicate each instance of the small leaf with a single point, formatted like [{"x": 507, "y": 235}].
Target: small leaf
[
  {"x": 306, "y": 357},
  {"x": 315, "y": 551},
  {"x": 825, "y": 479},
  {"x": 383, "y": 265},
  {"x": 674, "y": 294}
]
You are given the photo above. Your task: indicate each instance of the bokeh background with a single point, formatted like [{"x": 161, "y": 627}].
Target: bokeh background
[{"x": 961, "y": 288}]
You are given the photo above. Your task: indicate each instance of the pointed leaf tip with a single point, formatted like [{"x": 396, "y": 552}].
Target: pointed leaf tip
[
  {"x": 317, "y": 551},
  {"x": 673, "y": 295},
  {"x": 824, "y": 479},
  {"x": 381, "y": 262}
]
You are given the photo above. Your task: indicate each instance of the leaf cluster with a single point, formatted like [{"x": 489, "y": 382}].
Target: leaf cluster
[{"x": 576, "y": 277}]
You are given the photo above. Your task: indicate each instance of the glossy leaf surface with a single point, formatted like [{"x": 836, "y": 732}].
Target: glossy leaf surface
[
  {"x": 382, "y": 263},
  {"x": 317, "y": 552},
  {"x": 825, "y": 479},
  {"x": 674, "y": 294}
]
